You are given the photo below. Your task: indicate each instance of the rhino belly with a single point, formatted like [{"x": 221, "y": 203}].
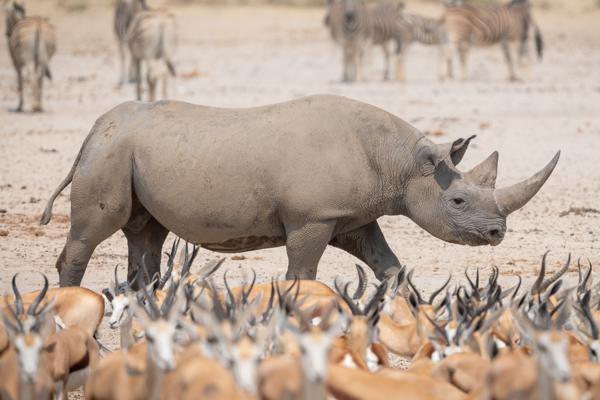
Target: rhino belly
[{"x": 247, "y": 243}]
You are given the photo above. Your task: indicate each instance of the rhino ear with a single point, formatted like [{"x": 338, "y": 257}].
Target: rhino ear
[
  {"x": 458, "y": 149},
  {"x": 430, "y": 156}
]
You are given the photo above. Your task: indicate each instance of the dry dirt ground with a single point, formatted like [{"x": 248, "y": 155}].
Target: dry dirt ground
[{"x": 251, "y": 56}]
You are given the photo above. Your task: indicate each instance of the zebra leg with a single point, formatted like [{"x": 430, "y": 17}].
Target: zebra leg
[
  {"x": 360, "y": 62},
  {"x": 387, "y": 57},
  {"x": 20, "y": 84},
  {"x": 400, "y": 74},
  {"x": 463, "y": 49},
  {"x": 122, "y": 65},
  {"x": 165, "y": 85},
  {"x": 152, "y": 78},
  {"x": 38, "y": 86},
  {"x": 445, "y": 62},
  {"x": 346, "y": 60},
  {"x": 524, "y": 58},
  {"x": 509, "y": 61},
  {"x": 138, "y": 78}
]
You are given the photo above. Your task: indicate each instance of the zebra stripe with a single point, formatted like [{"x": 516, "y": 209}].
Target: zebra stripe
[
  {"x": 421, "y": 29},
  {"x": 125, "y": 11}
]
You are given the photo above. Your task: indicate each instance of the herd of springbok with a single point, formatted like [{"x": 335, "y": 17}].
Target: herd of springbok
[{"x": 183, "y": 338}]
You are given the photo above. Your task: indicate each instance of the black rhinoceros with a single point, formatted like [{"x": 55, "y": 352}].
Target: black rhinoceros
[{"x": 305, "y": 173}]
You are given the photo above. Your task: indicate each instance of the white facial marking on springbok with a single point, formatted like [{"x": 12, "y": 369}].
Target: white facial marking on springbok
[
  {"x": 314, "y": 349},
  {"x": 160, "y": 336},
  {"x": 245, "y": 357},
  {"x": 120, "y": 307},
  {"x": 29, "y": 348},
  {"x": 552, "y": 349}
]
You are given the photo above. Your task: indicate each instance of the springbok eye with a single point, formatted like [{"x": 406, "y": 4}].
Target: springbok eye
[{"x": 458, "y": 201}]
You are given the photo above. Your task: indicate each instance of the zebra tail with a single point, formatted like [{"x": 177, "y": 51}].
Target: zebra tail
[
  {"x": 171, "y": 68},
  {"x": 539, "y": 43}
]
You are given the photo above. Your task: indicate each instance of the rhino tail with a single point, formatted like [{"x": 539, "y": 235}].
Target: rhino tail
[{"x": 47, "y": 214}]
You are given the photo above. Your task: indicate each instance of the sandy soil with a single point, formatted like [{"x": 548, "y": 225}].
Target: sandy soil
[{"x": 252, "y": 56}]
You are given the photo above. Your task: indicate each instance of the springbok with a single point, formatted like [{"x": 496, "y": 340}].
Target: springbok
[
  {"x": 74, "y": 306},
  {"x": 303, "y": 376},
  {"x": 139, "y": 374},
  {"x": 65, "y": 356},
  {"x": 360, "y": 347}
]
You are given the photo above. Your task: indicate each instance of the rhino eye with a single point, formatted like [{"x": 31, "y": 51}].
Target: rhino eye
[{"x": 458, "y": 201}]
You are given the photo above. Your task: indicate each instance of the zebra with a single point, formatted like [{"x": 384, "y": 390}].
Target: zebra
[
  {"x": 427, "y": 31},
  {"x": 356, "y": 26},
  {"x": 488, "y": 25},
  {"x": 125, "y": 10},
  {"x": 31, "y": 42},
  {"x": 152, "y": 38}
]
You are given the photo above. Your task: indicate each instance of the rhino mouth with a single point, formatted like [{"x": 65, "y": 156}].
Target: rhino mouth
[{"x": 493, "y": 237}]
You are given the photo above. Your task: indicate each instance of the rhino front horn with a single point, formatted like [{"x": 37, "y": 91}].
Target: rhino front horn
[{"x": 510, "y": 199}]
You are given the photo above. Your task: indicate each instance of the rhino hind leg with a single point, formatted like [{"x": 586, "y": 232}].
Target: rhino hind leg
[
  {"x": 368, "y": 244},
  {"x": 99, "y": 208},
  {"x": 88, "y": 229},
  {"x": 305, "y": 245}
]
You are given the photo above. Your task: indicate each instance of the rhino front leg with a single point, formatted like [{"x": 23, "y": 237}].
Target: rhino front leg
[
  {"x": 369, "y": 245},
  {"x": 305, "y": 246}
]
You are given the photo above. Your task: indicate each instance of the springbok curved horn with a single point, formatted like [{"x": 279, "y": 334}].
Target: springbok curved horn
[
  {"x": 36, "y": 302},
  {"x": 438, "y": 291},
  {"x": 116, "y": 279},
  {"x": 362, "y": 283},
  {"x": 511, "y": 198},
  {"x": 18, "y": 299},
  {"x": 484, "y": 174}
]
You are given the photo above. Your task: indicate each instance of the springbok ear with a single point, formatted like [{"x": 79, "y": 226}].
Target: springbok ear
[
  {"x": 50, "y": 348},
  {"x": 413, "y": 302},
  {"x": 106, "y": 293},
  {"x": 11, "y": 329}
]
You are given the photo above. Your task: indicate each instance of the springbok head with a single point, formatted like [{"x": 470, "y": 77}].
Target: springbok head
[
  {"x": 315, "y": 341},
  {"x": 28, "y": 329},
  {"x": 160, "y": 324},
  {"x": 549, "y": 343},
  {"x": 590, "y": 337}
]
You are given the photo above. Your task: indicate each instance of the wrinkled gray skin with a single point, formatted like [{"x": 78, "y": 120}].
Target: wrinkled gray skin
[{"x": 305, "y": 173}]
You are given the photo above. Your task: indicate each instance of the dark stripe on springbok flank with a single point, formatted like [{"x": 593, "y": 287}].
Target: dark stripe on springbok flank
[{"x": 81, "y": 364}]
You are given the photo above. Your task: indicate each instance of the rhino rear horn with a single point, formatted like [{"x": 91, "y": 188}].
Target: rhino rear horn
[
  {"x": 511, "y": 198},
  {"x": 484, "y": 174}
]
